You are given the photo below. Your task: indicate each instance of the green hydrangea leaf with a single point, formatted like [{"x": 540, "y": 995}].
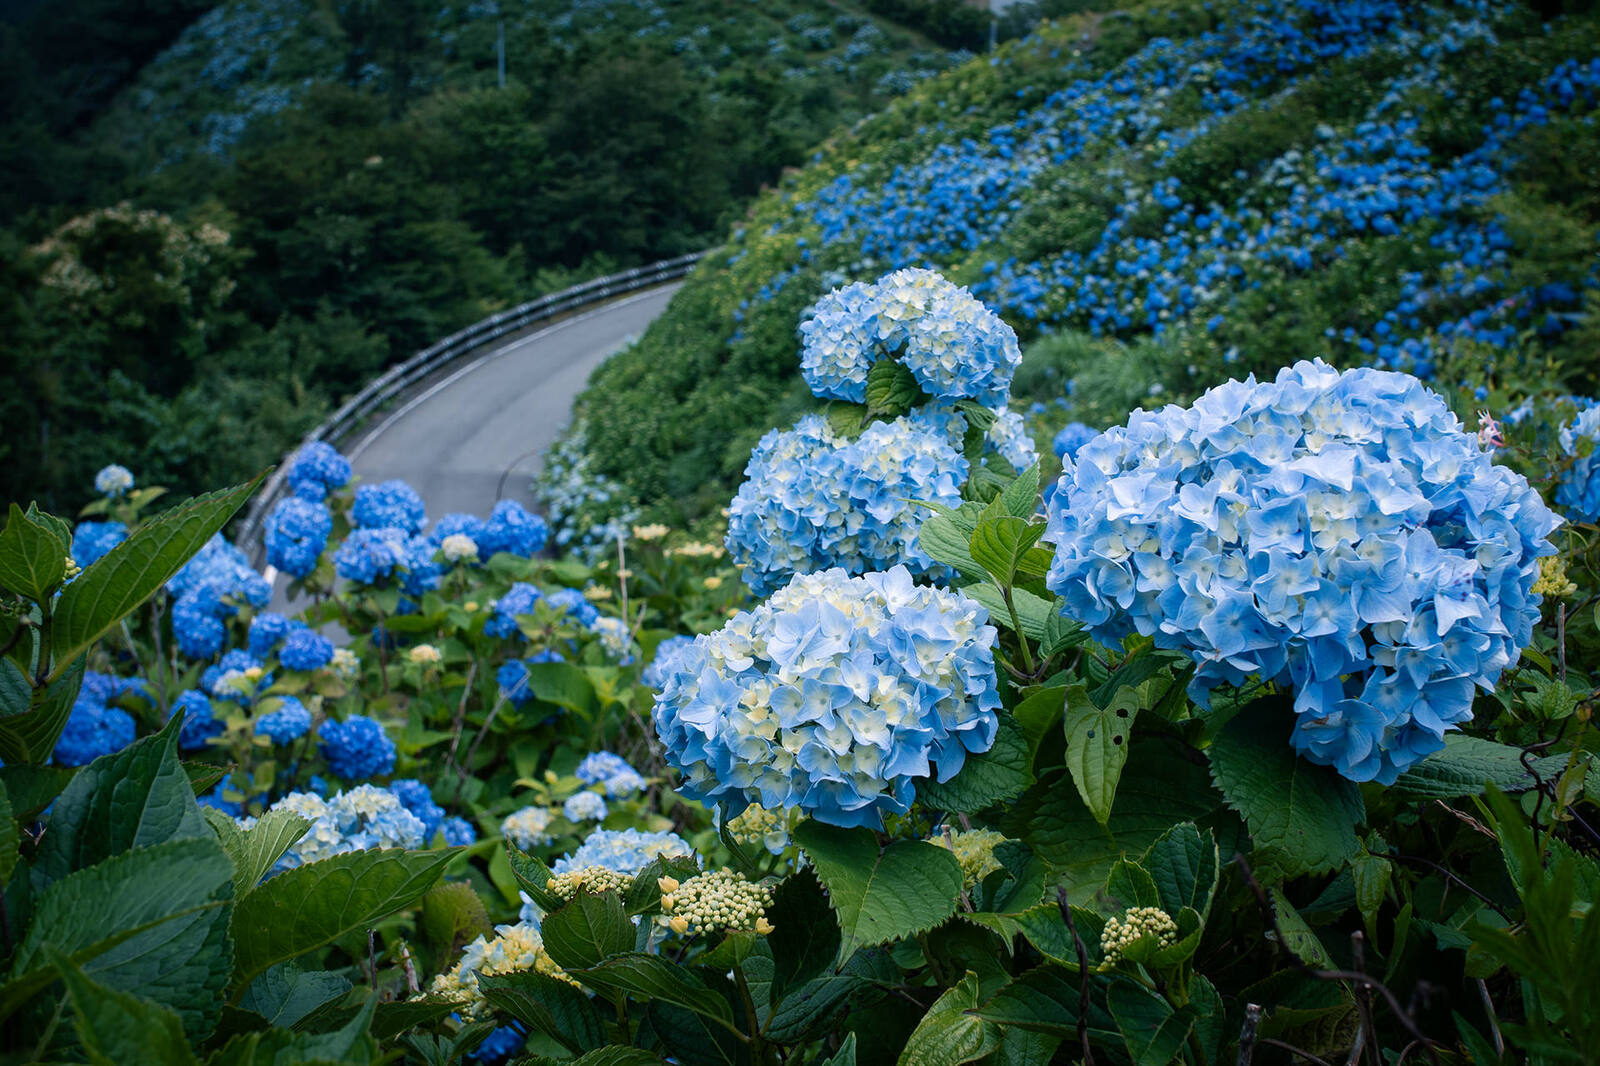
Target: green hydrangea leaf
[
  {"x": 891, "y": 389},
  {"x": 256, "y": 850},
  {"x": 120, "y": 1029},
  {"x": 33, "y": 560},
  {"x": 949, "y": 1034},
  {"x": 651, "y": 977},
  {"x": 1002, "y": 773},
  {"x": 548, "y": 1005},
  {"x": 588, "y": 930},
  {"x": 1097, "y": 746},
  {"x": 1465, "y": 766}
]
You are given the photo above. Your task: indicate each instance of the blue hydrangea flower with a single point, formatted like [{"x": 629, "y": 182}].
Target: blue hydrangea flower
[
  {"x": 289, "y": 722},
  {"x": 305, "y": 649},
  {"x": 835, "y": 696},
  {"x": 528, "y": 827},
  {"x": 91, "y": 540},
  {"x": 366, "y": 816},
  {"x": 512, "y": 528},
  {"x": 572, "y": 602},
  {"x": 296, "y": 534},
  {"x": 390, "y": 504},
  {"x": 357, "y": 748},
  {"x": 267, "y": 631},
  {"x": 626, "y": 851},
  {"x": 199, "y": 725},
  {"x": 228, "y": 679},
  {"x": 457, "y": 523},
  {"x": 207, "y": 591},
  {"x": 655, "y": 675},
  {"x": 197, "y": 629},
  {"x": 93, "y": 728},
  {"x": 418, "y": 799},
  {"x": 317, "y": 468},
  {"x": 499, "y": 1046},
  {"x": 612, "y": 770},
  {"x": 585, "y": 807},
  {"x": 513, "y": 676},
  {"x": 1338, "y": 532},
  {"x": 113, "y": 480},
  {"x": 458, "y": 832},
  {"x": 518, "y": 600},
  {"x": 1578, "y": 492},
  {"x": 954, "y": 346},
  {"x": 812, "y": 501},
  {"x": 1073, "y": 435}
]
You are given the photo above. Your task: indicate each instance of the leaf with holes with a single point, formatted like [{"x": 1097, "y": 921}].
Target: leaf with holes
[
  {"x": 1097, "y": 746},
  {"x": 908, "y": 888}
]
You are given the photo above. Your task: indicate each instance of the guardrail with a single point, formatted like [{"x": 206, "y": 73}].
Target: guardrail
[{"x": 402, "y": 376}]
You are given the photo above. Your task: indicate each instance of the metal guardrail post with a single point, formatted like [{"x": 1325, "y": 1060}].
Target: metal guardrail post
[{"x": 464, "y": 341}]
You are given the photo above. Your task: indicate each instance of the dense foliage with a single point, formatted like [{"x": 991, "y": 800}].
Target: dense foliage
[
  {"x": 1159, "y": 199},
  {"x": 358, "y": 186}
]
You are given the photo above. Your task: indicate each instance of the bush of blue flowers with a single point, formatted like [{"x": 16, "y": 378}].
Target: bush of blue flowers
[{"x": 1252, "y": 725}]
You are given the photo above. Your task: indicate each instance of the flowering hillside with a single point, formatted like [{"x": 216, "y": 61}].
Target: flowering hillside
[{"x": 1167, "y": 196}]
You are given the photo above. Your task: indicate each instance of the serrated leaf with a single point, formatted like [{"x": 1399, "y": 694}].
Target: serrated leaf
[
  {"x": 120, "y": 1029},
  {"x": 452, "y": 915},
  {"x": 908, "y": 888},
  {"x": 1060, "y": 632},
  {"x": 1018, "y": 499},
  {"x": 532, "y": 875},
  {"x": 350, "y": 1045},
  {"x": 1045, "y": 1000},
  {"x": 616, "y": 1055},
  {"x": 255, "y": 851},
  {"x": 645, "y": 892},
  {"x": 285, "y": 994},
  {"x": 1466, "y": 765},
  {"x": 814, "y": 1007},
  {"x": 134, "y": 570},
  {"x": 846, "y": 1055},
  {"x": 946, "y": 542},
  {"x": 1152, "y": 1030},
  {"x": 891, "y": 389},
  {"x": 133, "y": 798},
  {"x": 152, "y": 920},
  {"x": 1130, "y": 885},
  {"x": 998, "y": 545},
  {"x": 32, "y": 558},
  {"x": 547, "y": 1005},
  {"x": 804, "y": 938},
  {"x": 310, "y": 906},
  {"x": 693, "y": 1040},
  {"x": 587, "y": 930},
  {"x": 32, "y": 788},
  {"x": 949, "y": 1035},
  {"x": 651, "y": 977},
  {"x": 1097, "y": 747},
  {"x": 1305, "y": 814},
  {"x": 1033, "y": 612},
  {"x": 31, "y": 736},
  {"x": 1183, "y": 864},
  {"x": 1002, "y": 773}
]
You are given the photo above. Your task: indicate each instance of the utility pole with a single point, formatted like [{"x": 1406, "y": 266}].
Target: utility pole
[{"x": 500, "y": 52}]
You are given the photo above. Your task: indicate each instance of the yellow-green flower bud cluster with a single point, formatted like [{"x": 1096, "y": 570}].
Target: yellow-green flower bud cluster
[
  {"x": 713, "y": 901},
  {"x": 974, "y": 848},
  {"x": 72, "y": 569},
  {"x": 1134, "y": 924},
  {"x": 1553, "y": 581},
  {"x": 516, "y": 949},
  {"x": 594, "y": 879},
  {"x": 757, "y": 825}
]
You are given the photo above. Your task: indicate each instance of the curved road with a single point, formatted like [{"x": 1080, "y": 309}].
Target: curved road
[{"x": 476, "y": 435}]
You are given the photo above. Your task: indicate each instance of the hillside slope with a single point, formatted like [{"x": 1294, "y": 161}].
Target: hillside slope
[{"x": 1177, "y": 194}]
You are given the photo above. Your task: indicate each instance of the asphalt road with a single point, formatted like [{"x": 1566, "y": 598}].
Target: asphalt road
[{"x": 477, "y": 435}]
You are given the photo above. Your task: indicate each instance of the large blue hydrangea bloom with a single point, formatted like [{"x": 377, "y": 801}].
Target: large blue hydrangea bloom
[
  {"x": 199, "y": 724},
  {"x": 369, "y": 555},
  {"x": 305, "y": 649},
  {"x": 655, "y": 675},
  {"x": 953, "y": 345},
  {"x": 94, "y": 728},
  {"x": 1579, "y": 490},
  {"x": 315, "y": 469},
  {"x": 512, "y": 528},
  {"x": 812, "y": 500},
  {"x": 1338, "y": 532},
  {"x": 518, "y": 600},
  {"x": 357, "y": 748},
  {"x": 296, "y": 533},
  {"x": 91, "y": 540},
  {"x": 207, "y": 591},
  {"x": 836, "y": 696},
  {"x": 418, "y": 799},
  {"x": 289, "y": 722},
  {"x": 389, "y": 503}
]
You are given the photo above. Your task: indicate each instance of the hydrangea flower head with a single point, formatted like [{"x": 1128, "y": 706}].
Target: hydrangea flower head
[
  {"x": 363, "y": 817},
  {"x": 113, "y": 480},
  {"x": 574, "y": 604},
  {"x": 954, "y": 346},
  {"x": 585, "y": 807},
  {"x": 528, "y": 828},
  {"x": 515, "y": 529},
  {"x": 615, "y": 637},
  {"x": 418, "y": 799},
  {"x": 288, "y": 723},
  {"x": 518, "y": 600},
  {"x": 459, "y": 548},
  {"x": 357, "y": 748},
  {"x": 267, "y": 631},
  {"x": 296, "y": 534},
  {"x": 835, "y": 696},
  {"x": 655, "y": 675},
  {"x": 1338, "y": 532},
  {"x": 199, "y": 725},
  {"x": 1578, "y": 492},
  {"x": 389, "y": 504},
  {"x": 612, "y": 771},
  {"x": 812, "y": 501},
  {"x": 458, "y": 832},
  {"x": 626, "y": 851},
  {"x": 316, "y": 469},
  {"x": 1073, "y": 435},
  {"x": 305, "y": 649},
  {"x": 92, "y": 540},
  {"x": 93, "y": 727}
]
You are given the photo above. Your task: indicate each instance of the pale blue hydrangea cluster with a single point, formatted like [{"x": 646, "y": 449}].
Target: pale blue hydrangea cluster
[
  {"x": 528, "y": 828},
  {"x": 356, "y": 748},
  {"x": 1578, "y": 492},
  {"x": 1338, "y": 532},
  {"x": 92, "y": 540},
  {"x": 296, "y": 533},
  {"x": 835, "y": 696},
  {"x": 612, "y": 771},
  {"x": 287, "y": 722},
  {"x": 626, "y": 851},
  {"x": 418, "y": 799},
  {"x": 585, "y": 807},
  {"x": 812, "y": 500},
  {"x": 615, "y": 638},
  {"x": 1072, "y": 436},
  {"x": 655, "y": 675},
  {"x": 112, "y": 481},
  {"x": 458, "y": 832},
  {"x": 317, "y": 469},
  {"x": 367, "y": 816},
  {"x": 207, "y": 591},
  {"x": 94, "y": 727},
  {"x": 954, "y": 346}
]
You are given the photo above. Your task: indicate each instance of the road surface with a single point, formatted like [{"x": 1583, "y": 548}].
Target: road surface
[{"x": 476, "y": 435}]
